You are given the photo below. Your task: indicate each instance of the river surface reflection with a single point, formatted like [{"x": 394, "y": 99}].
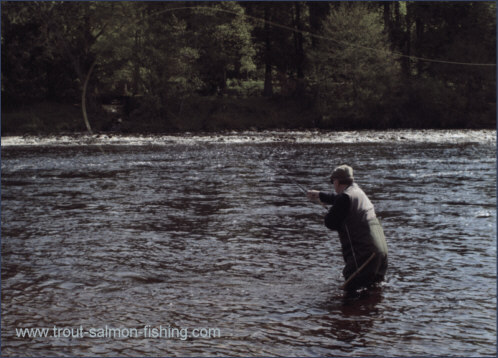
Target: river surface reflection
[{"x": 193, "y": 234}]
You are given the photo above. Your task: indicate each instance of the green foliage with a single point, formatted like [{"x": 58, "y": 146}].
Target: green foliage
[
  {"x": 244, "y": 88},
  {"x": 42, "y": 117},
  {"x": 441, "y": 94},
  {"x": 222, "y": 36},
  {"x": 163, "y": 61},
  {"x": 180, "y": 60},
  {"x": 29, "y": 71},
  {"x": 354, "y": 70}
]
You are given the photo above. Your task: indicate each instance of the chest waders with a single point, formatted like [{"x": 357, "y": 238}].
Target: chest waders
[
  {"x": 368, "y": 256},
  {"x": 358, "y": 269}
]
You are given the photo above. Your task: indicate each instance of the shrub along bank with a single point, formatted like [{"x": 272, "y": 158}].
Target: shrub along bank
[{"x": 224, "y": 113}]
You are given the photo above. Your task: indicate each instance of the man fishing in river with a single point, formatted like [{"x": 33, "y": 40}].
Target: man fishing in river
[{"x": 362, "y": 239}]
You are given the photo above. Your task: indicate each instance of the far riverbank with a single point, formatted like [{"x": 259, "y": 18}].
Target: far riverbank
[{"x": 206, "y": 114}]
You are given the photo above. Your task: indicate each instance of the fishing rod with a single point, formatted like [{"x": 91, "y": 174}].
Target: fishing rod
[
  {"x": 289, "y": 178},
  {"x": 293, "y": 181}
]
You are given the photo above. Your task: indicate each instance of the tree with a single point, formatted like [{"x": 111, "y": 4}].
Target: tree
[
  {"x": 69, "y": 32},
  {"x": 222, "y": 36},
  {"x": 318, "y": 12},
  {"x": 263, "y": 37},
  {"x": 282, "y": 44},
  {"x": 162, "y": 63},
  {"x": 464, "y": 22},
  {"x": 24, "y": 58},
  {"x": 447, "y": 89},
  {"x": 353, "y": 68}
]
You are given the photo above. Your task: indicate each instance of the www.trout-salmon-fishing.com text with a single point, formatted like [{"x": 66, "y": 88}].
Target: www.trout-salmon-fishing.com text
[{"x": 147, "y": 331}]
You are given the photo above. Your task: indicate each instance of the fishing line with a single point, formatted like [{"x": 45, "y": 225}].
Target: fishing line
[{"x": 322, "y": 37}]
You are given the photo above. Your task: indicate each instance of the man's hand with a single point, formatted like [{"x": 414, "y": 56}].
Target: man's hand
[{"x": 313, "y": 195}]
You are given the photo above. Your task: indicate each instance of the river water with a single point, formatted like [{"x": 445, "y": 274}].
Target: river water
[{"x": 209, "y": 238}]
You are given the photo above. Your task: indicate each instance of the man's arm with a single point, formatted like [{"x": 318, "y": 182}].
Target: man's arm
[
  {"x": 320, "y": 196},
  {"x": 327, "y": 198},
  {"x": 338, "y": 212}
]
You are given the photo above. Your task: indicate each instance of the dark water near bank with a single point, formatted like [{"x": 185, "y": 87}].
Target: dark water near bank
[{"x": 214, "y": 235}]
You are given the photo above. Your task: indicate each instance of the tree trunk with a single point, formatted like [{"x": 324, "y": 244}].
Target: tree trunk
[
  {"x": 318, "y": 12},
  {"x": 298, "y": 41},
  {"x": 419, "y": 39},
  {"x": 387, "y": 17},
  {"x": 406, "y": 41},
  {"x": 268, "y": 88},
  {"x": 136, "y": 65}
]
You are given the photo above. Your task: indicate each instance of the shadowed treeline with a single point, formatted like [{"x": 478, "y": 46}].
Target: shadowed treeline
[{"x": 176, "y": 66}]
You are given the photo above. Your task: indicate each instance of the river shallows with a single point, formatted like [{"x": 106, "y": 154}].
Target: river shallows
[{"x": 200, "y": 232}]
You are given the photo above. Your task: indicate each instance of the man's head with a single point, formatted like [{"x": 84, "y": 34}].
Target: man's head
[{"x": 342, "y": 175}]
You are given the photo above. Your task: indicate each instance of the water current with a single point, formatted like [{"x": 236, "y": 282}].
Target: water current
[{"x": 209, "y": 238}]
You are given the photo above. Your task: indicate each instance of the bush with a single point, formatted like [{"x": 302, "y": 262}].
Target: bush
[{"x": 44, "y": 117}]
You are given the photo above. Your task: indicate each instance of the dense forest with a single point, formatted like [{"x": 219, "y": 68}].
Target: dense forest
[{"x": 186, "y": 65}]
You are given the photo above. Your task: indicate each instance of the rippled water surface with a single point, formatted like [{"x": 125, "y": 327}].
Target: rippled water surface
[{"x": 191, "y": 233}]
